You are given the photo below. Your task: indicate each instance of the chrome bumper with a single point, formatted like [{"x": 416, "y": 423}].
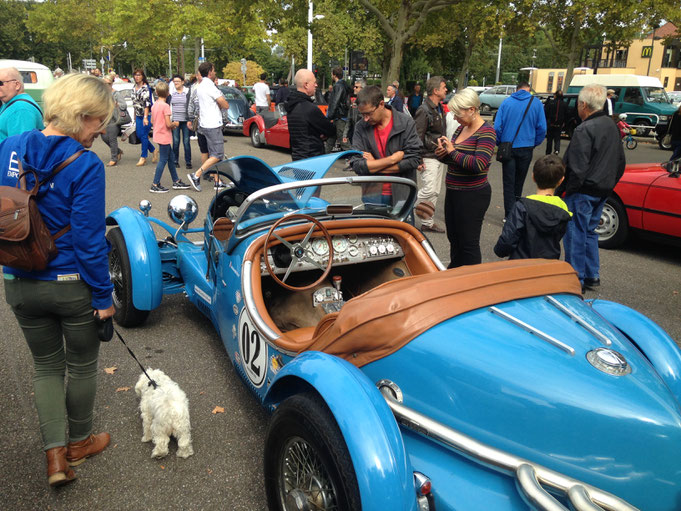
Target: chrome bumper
[{"x": 531, "y": 479}]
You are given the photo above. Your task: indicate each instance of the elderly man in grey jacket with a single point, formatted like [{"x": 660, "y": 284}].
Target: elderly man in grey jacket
[{"x": 387, "y": 139}]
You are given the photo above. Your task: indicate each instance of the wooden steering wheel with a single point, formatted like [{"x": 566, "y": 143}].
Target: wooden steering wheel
[{"x": 300, "y": 251}]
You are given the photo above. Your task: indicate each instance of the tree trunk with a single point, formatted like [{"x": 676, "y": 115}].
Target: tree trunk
[
  {"x": 197, "y": 49},
  {"x": 572, "y": 57},
  {"x": 468, "y": 51}
]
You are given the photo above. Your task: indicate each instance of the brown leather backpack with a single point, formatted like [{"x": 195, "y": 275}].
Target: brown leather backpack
[{"x": 25, "y": 241}]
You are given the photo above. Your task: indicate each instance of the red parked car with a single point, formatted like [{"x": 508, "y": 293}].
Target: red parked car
[
  {"x": 270, "y": 128},
  {"x": 647, "y": 198}
]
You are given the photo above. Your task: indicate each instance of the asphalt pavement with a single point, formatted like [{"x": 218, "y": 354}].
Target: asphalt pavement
[{"x": 226, "y": 469}]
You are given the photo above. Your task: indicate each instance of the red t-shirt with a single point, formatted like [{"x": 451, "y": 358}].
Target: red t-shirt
[{"x": 381, "y": 136}]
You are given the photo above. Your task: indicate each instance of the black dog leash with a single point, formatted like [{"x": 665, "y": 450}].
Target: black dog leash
[
  {"x": 105, "y": 332},
  {"x": 151, "y": 382}
]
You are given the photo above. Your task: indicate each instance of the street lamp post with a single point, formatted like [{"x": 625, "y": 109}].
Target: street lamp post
[{"x": 310, "y": 18}]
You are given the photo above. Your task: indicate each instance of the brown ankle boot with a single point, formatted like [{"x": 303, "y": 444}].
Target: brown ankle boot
[
  {"x": 58, "y": 470},
  {"x": 94, "y": 444}
]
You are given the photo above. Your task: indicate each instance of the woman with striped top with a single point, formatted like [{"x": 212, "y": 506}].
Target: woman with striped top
[{"x": 468, "y": 156}]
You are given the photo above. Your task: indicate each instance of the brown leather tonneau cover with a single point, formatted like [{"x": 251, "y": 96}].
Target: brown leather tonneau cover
[{"x": 384, "y": 319}]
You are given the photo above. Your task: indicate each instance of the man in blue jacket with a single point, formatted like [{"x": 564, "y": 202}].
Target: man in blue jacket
[{"x": 530, "y": 132}]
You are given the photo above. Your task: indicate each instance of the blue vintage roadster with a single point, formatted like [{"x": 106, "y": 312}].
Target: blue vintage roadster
[{"x": 396, "y": 385}]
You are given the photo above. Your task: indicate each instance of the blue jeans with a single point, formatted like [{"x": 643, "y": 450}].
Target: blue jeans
[
  {"x": 581, "y": 240},
  {"x": 514, "y": 174},
  {"x": 184, "y": 130},
  {"x": 143, "y": 134},
  {"x": 676, "y": 148},
  {"x": 163, "y": 158}
]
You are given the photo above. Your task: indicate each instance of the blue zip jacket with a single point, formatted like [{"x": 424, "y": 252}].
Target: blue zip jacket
[
  {"x": 77, "y": 196},
  {"x": 532, "y": 130}
]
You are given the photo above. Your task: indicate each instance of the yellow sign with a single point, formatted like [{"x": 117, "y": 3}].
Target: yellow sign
[{"x": 646, "y": 52}]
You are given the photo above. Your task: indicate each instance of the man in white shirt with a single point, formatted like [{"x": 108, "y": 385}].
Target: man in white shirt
[
  {"x": 262, "y": 95},
  {"x": 211, "y": 101}
]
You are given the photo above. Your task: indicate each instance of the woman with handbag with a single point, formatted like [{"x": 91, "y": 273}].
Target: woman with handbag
[
  {"x": 468, "y": 156},
  {"x": 56, "y": 307},
  {"x": 113, "y": 129},
  {"x": 142, "y": 100}
]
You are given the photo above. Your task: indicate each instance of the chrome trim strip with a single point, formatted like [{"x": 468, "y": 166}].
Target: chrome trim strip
[
  {"x": 502, "y": 461},
  {"x": 533, "y": 492},
  {"x": 431, "y": 253},
  {"x": 532, "y": 330},
  {"x": 577, "y": 319},
  {"x": 269, "y": 334}
]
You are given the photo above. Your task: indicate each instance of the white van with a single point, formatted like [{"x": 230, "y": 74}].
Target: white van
[{"x": 36, "y": 77}]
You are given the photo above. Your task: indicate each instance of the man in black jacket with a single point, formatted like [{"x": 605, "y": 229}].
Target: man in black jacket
[
  {"x": 387, "y": 139},
  {"x": 595, "y": 162},
  {"x": 339, "y": 100},
  {"x": 307, "y": 126},
  {"x": 554, "y": 110},
  {"x": 430, "y": 125}
]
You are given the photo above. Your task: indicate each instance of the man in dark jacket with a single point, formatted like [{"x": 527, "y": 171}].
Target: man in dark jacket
[
  {"x": 282, "y": 93},
  {"x": 415, "y": 100},
  {"x": 554, "y": 110},
  {"x": 339, "y": 99},
  {"x": 537, "y": 222},
  {"x": 307, "y": 126},
  {"x": 595, "y": 162},
  {"x": 387, "y": 139},
  {"x": 430, "y": 125},
  {"x": 353, "y": 113}
]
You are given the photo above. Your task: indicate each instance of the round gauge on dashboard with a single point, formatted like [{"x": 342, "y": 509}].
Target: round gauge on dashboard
[
  {"x": 353, "y": 251},
  {"x": 352, "y": 238},
  {"x": 320, "y": 246},
  {"x": 340, "y": 244}
]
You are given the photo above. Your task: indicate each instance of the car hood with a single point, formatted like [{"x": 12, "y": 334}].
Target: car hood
[{"x": 490, "y": 379}]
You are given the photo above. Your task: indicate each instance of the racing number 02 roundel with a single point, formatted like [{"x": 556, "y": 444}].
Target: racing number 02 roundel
[{"x": 253, "y": 350}]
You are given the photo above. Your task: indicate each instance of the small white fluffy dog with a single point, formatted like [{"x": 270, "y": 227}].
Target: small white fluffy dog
[{"x": 165, "y": 413}]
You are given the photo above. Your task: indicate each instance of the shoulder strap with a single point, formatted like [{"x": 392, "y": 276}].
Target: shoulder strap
[
  {"x": 521, "y": 120},
  {"x": 25, "y": 101}
]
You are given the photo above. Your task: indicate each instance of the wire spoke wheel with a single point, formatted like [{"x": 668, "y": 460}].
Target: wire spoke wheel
[{"x": 304, "y": 476}]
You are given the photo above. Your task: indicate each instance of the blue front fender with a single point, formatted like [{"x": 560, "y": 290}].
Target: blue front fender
[
  {"x": 144, "y": 256},
  {"x": 383, "y": 471},
  {"x": 651, "y": 339}
]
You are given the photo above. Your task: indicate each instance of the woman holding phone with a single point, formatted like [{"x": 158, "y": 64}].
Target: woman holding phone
[{"x": 467, "y": 155}]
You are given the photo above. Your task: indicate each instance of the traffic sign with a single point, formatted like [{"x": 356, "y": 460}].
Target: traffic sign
[{"x": 89, "y": 63}]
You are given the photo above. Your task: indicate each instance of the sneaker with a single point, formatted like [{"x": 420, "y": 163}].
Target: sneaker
[
  {"x": 194, "y": 181},
  {"x": 219, "y": 185},
  {"x": 188, "y": 166},
  {"x": 194, "y": 138},
  {"x": 180, "y": 185},
  {"x": 158, "y": 189},
  {"x": 177, "y": 164}
]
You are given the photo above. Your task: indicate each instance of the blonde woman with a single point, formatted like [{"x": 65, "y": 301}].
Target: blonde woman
[
  {"x": 56, "y": 307},
  {"x": 467, "y": 155}
]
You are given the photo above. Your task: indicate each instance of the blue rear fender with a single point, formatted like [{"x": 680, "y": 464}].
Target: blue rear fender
[
  {"x": 384, "y": 473},
  {"x": 144, "y": 256},
  {"x": 650, "y": 338}
]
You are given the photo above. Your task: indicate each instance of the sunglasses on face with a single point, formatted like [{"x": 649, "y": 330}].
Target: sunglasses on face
[{"x": 3, "y": 82}]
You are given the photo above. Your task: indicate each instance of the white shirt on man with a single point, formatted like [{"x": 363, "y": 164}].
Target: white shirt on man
[
  {"x": 207, "y": 94},
  {"x": 261, "y": 90}
]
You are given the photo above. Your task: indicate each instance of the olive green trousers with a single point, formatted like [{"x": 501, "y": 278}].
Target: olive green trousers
[{"x": 58, "y": 324}]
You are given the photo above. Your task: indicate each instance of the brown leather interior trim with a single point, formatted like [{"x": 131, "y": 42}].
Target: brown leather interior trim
[{"x": 409, "y": 237}]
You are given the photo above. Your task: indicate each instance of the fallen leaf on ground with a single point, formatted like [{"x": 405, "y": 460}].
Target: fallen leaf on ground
[
  {"x": 110, "y": 370},
  {"x": 123, "y": 389},
  {"x": 218, "y": 409},
  {"x": 675, "y": 292},
  {"x": 162, "y": 467},
  {"x": 210, "y": 471},
  {"x": 201, "y": 393}
]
